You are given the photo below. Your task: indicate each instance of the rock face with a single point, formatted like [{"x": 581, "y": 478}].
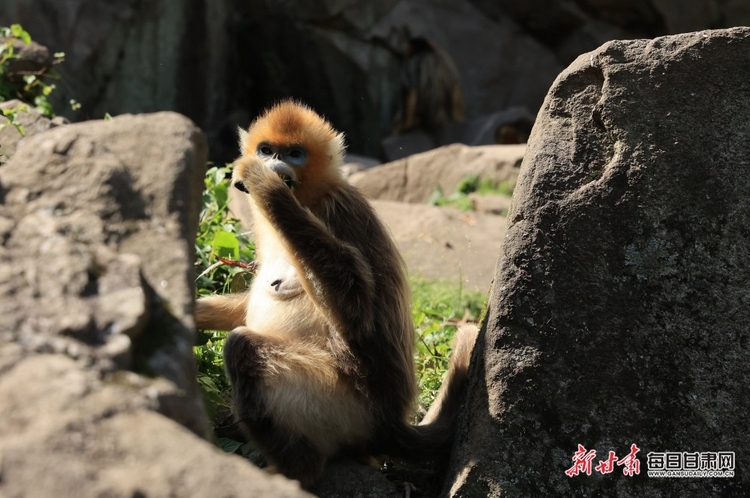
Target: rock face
[
  {"x": 620, "y": 312},
  {"x": 97, "y": 375},
  {"x": 31, "y": 121},
  {"x": 221, "y": 62}
]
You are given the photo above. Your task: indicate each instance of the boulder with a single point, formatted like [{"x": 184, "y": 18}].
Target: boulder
[
  {"x": 29, "y": 119},
  {"x": 415, "y": 178},
  {"x": 29, "y": 58},
  {"x": 619, "y": 319},
  {"x": 97, "y": 374}
]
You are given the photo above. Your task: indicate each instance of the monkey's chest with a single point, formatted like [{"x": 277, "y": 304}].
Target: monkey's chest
[
  {"x": 278, "y": 304},
  {"x": 280, "y": 282}
]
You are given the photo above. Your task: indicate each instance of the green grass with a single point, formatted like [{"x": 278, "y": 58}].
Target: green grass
[
  {"x": 471, "y": 184},
  {"x": 438, "y": 307}
]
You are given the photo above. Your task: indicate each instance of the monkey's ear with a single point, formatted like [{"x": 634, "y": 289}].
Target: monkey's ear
[
  {"x": 339, "y": 148},
  {"x": 243, "y": 139},
  {"x": 341, "y": 141}
]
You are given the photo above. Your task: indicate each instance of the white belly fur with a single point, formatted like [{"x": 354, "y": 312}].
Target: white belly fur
[{"x": 307, "y": 395}]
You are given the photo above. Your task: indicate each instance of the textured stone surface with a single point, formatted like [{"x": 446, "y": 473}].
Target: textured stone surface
[
  {"x": 97, "y": 374},
  {"x": 31, "y": 121},
  {"x": 100, "y": 246},
  {"x": 415, "y": 178},
  {"x": 349, "y": 479},
  {"x": 222, "y": 61},
  {"x": 620, "y": 311}
]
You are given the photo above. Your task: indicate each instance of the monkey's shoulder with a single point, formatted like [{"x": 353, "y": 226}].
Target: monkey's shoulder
[{"x": 351, "y": 218}]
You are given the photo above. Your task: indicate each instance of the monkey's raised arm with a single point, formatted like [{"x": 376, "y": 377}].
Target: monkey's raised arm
[{"x": 333, "y": 272}]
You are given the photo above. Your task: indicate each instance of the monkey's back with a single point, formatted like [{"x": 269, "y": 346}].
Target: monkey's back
[{"x": 386, "y": 352}]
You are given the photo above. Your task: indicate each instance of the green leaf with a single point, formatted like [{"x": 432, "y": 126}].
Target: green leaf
[
  {"x": 221, "y": 195},
  {"x": 203, "y": 337},
  {"x": 218, "y": 175},
  {"x": 226, "y": 245},
  {"x": 468, "y": 185},
  {"x": 238, "y": 283},
  {"x": 228, "y": 445},
  {"x": 18, "y": 31}
]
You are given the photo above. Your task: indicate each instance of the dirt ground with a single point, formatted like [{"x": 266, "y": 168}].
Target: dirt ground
[{"x": 443, "y": 243}]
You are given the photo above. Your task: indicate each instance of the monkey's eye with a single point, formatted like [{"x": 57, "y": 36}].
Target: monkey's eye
[
  {"x": 265, "y": 150},
  {"x": 296, "y": 156}
]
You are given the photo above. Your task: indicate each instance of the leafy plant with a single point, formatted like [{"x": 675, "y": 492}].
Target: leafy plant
[
  {"x": 29, "y": 85},
  {"x": 219, "y": 237},
  {"x": 457, "y": 200}
]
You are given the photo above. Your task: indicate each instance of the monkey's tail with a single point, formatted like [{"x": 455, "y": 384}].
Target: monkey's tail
[{"x": 432, "y": 438}]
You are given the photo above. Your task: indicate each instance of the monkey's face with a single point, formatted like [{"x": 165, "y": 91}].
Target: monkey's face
[
  {"x": 286, "y": 160},
  {"x": 299, "y": 146}
]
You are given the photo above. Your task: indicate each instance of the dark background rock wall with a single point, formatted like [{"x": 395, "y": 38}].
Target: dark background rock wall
[{"x": 221, "y": 61}]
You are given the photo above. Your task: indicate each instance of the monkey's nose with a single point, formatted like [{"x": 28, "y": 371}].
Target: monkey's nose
[{"x": 241, "y": 187}]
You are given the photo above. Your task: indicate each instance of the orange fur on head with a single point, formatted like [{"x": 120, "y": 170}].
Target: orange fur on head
[{"x": 291, "y": 122}]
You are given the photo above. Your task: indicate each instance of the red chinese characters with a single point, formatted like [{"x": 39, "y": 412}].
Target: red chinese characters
[{"x": 582, "y": 462}]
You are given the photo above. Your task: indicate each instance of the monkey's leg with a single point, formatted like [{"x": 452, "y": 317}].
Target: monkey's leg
[
  {"x": 288, "y": 453},
  {"x": 221, "y": 312},
  {"x": 286, "y": 394}
]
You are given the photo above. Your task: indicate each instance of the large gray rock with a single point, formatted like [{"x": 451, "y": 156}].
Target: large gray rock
[
  {"x": 27, "y": 122},
  {"x": 620, "y": 312},
  {"x": 97, "y": 374},
  {"x": 415, "y": 178}
]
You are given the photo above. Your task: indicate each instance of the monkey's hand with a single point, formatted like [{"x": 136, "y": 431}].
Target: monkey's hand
[{"x": 251, "y": 175}]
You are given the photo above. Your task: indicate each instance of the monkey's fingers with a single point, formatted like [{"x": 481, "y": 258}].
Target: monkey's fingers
[{"x": 250, "y": 172}]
